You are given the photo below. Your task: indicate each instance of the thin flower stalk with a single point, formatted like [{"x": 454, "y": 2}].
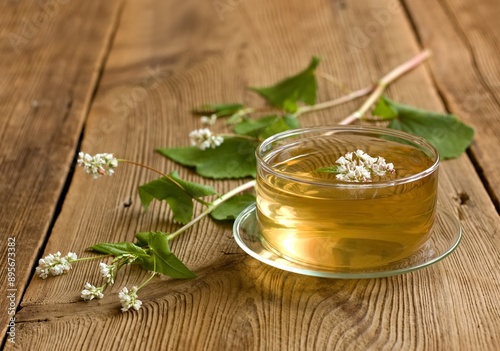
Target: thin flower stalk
[
  {"x": 332, "y": 103},
  {"x": 212, "y": 207},
  {"x": 201, "y": 201},
  {"x": 89, "y": 165}
]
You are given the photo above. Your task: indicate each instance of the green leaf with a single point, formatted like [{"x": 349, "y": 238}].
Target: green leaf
[
  {"x": 231, "y": 208},
  {"x": 194, "y": 189},
  {"x": 280, "y": 125},
  {"x": 234, "y": 158},
  {"x": 117, "y": 249},
  {"x": 161, "y": 259},
  {"x": 445, "y": 132},
  {"x": 384, "y": 109},
  {"x": 288, "y": 92},
  {"x": 235, "y": 118},
  {"x": 141, "y": 239},
  {"x": 179, "y": 200},
  {"x": 253, "y": 127},
  {"x": 291, "y": 121},
  {"x": 221, "y": 110},
  {"x": 267, "y": 126}
]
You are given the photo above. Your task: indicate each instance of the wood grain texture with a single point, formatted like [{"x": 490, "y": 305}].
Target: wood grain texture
[
  {"x": 465, "y": 38},
  {"x": 170, "y": 56},
  {"x": 49, "y": 69}
]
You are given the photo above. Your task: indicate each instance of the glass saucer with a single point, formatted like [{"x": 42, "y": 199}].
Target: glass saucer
[{"x": 444, "y": 238}]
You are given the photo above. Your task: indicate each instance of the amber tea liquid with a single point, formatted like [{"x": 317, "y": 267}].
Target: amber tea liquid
[{"x": 311, "y": 217}]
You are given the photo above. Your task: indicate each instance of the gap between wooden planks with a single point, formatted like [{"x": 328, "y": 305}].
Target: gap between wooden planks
[
  {"x": 465, "y": 37},
  {"x": 50, "y": 53}
]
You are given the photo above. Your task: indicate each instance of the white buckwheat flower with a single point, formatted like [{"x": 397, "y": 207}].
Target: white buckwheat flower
[
  {"x": 204, "y": 139},
  {"x": 129, "y": 299},
  {"x": 91, "y": 292},
  {"x": 54, "y": 264},
  {"x": 98, "y": 165},
  {"x": 380, "y": 167},
  {"x": 210, "y": 121},
  {"x": 108, "y": 272},
  {"x": 359, "y": 167},
  {"x": 71, "y": 256}
]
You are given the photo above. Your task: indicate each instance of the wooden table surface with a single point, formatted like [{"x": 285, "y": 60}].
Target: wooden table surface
[{"x": 121, "y": 76}]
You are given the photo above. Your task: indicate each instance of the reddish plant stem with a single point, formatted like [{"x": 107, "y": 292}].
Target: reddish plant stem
[{"x": 383, "y": 83}]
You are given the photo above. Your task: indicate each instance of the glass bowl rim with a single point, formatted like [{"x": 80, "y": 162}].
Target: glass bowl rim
[{"x": 354, "y": 129}]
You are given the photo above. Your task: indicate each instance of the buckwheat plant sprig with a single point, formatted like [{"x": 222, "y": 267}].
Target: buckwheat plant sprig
[
  {"x": 288, "y": 101},
  {"x": 55, "y": 265},
  {"x": 151, "y": 251},
  {"x": 104, "y": 164}
]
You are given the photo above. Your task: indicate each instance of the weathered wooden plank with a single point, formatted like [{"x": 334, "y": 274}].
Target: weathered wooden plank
[
  {"x": 50, "y": 54},
  {"x": 465, "y": 38},
  {"x": 237, "y": 302}
]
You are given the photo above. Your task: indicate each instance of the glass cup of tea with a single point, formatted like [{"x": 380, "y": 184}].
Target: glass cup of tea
[{"x": 346, "y": 198}]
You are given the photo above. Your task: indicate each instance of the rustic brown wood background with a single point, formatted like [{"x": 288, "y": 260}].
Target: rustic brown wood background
[{"x": 122, "y": 75}]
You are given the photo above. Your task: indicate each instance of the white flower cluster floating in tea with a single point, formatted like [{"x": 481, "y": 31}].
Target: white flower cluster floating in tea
[{"x": 359, "y": 167}]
